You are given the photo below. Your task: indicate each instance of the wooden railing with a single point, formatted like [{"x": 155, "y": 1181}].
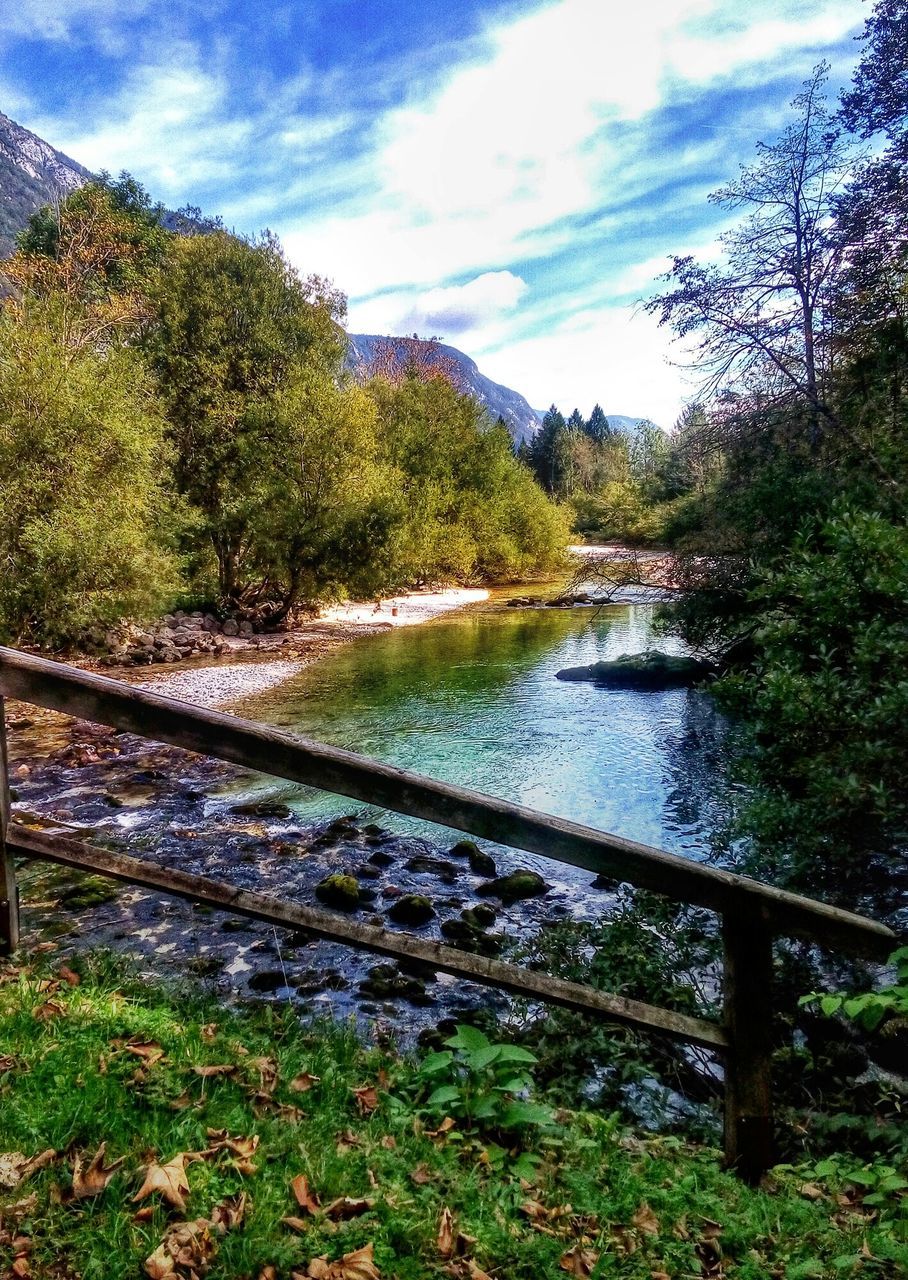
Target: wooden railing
[{"x": 752, "y": 913}]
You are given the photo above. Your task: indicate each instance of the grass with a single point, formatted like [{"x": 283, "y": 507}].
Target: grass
[{"x": 592, "y": 1200}]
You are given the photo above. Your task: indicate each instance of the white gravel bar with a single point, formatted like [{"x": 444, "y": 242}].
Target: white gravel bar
[
  {"x": 216, "y": 686},
  {"x": 406, "y": 610}
]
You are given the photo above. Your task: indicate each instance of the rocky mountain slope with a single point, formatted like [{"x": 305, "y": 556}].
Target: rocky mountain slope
[
  {"x": 32, "y": 173},
  {"x": 368, "y": 349}
]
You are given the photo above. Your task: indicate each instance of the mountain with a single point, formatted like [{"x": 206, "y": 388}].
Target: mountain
[
  {"x": 365, "y": 350},
  {"x": 32, "y": 174}
]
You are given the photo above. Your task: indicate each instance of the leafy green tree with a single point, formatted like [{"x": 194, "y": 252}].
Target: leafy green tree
[
  {"x": 84, "y": 513},
  {"x": 236, "y": 327}
]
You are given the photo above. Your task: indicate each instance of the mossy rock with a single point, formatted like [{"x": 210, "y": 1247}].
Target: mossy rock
[
  {"x": 412, "y": 909},
  {"x": 481, "y": 863},
  {"x": 93, "y": 891},
  {"x": 339, "y": 891},
  {"x": 512, "y": 888},
  {"x": 482, "y": 916},
  {"x": 467, "y": 937},
  {"x": 650, "y": 670},
  {"x": 425, "y": 864},
  {"x": 262, "y": 809}
]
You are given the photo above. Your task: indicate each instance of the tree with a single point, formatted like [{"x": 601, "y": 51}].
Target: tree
[
  {"x": 85, "y": 516},
  {"x": 597, "y": 426},
  {"x": 236, "y": 326},
  {"x": 544, "y": 449},
  {"x": 759, "y": 324}
]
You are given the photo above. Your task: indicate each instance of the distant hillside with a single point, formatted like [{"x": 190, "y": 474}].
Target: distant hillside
[
  {"x": 32, "y": 174},
  {"x": 501, "y": 402}
]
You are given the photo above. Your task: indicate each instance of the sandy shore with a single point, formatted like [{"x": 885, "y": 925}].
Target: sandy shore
[
  {"x": 221, "y": 684},
  {"x": 406, "y": 610}
]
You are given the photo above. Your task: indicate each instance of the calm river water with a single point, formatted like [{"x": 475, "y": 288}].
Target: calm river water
[{"x": 472, "y": 698}]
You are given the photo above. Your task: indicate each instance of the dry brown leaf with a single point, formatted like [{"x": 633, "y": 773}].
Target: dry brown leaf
[
  {"x": 305, "y": 1197},
  {"x": 295, "y": 1224},
  {"x": 659, "y": 1275},
  {"x": 358, "y": 1265},
  {"x": 216, "y": 1069},
  {"x": 16, "y": 1167},
  {"x": 69, "y": 976},
  {"x": 50, "y": 1009},
  {"x": 268, "y": 1073},
  {"x": 421, "y": 1175},
  {"x": 810, "y": 1191},
  {"x": 159, "y": 1265},
  {"x": 92, "y": 1180},
  {"x": 304, "y": 1082},
  {"x": 346, "y": 1141},
  {"x": 283, "y": 1111},
  {"x": 209, "y": 1030},
  {"x": 366, "y": 1098},
  {"x": 148, "y": 1050},
  {"x": 579, "y": 1261},
  {"x": 144, "y": 1214},
  {"x": 389, "y": 1143},
  {"x": 181, "y": 1103},
  {"x": 646, "y": 1221},
  {"x": 445, "y": 1127},
  {"x": 230, "y": 1212},
  {"x": 186, "y": 1251},
  {"x": 20, "y": 1267},
  {"x": 346, "y": 1207},
  {"x": 168, "y": 1180},
  {"x": 268, "y": 1273},
  {"x": 445, "y": 1237}
]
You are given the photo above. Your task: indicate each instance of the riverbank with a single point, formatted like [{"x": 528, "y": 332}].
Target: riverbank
[{"x": 147, "y": 1131}]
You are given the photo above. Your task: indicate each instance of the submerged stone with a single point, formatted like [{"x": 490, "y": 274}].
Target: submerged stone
[
  {"x": 519, "y": 884},
  {"x": 650, "y": 670},
  {"x": 481, "y": 863},
  {"x": 339, "y": 891},
  {"x": 262, "y": 809}
]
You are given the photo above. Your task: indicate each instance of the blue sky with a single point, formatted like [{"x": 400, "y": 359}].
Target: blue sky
[{"x": 508, "y": 175}]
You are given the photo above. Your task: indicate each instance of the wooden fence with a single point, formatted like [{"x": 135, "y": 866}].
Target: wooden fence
[{"x": 752, "y": 914}]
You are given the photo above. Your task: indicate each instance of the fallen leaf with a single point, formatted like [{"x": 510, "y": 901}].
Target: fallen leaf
[
  {"x": 92, "y": 1180},
  {"x": 230, "y": 1212},
  {"x": 445, "y": 1237},
  {"x": 209, "y": 1030},
  {"x": 810, "y": 1191},
  {"x": 366, "y": 1098},
  {"x": 169, "y": 1180},
  {"x": 346, "y": 1207},
  {"x": 646, "y": 1221},
  {"x": 217, "y": 1069},
  {"x": 16, "y": 1167},
  {"x": 305, "y": 1197},
  {"x": 358, "y": 1265},
  {"x": 149, "y": 1051},
  {"x": 346, "y": 1141},
  {"x": 143, "y": 1214},
  {"x": 579, "y": 1261},
  {"x": 69, "y": 976},
  {"x": 304, "y": 1082},
  {"x": 445, "y": 1127},
  {"x": 389, "y": 1143},
  {"x": 186, "y": 1251},
  {"x": 50, "y": 1009},
  {"x": 295, "y": 1224},
  {"x": 420, "y": 1175},
  {"x": 268, "y": 1073},
  {"x": 268, "y": 1273}
]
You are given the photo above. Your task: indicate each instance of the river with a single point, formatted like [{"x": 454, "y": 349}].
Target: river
[{"x": 473, "y": 698}]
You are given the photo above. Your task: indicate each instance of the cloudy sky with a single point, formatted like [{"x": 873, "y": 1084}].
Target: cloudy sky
[{"x": 509, "y": 175}]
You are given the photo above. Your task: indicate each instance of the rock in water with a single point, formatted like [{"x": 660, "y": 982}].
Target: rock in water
[
  {"x": 652, "y": 670},
  {"x": 519, "y": 884},
  {"x": 339, "y": 891},
  {"x": 412, "y": 909}
]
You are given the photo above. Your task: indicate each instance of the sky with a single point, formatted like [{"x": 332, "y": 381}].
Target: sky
[{"x": 510, "y": 176}]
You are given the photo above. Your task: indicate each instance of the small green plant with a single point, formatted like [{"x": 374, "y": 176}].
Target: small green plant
[
  {"x": 481, "y": 1084},
  {"x": 869, "y": 1008}
]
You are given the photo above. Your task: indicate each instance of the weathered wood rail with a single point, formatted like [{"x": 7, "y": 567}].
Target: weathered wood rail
[{"x": 752, "y": 913}]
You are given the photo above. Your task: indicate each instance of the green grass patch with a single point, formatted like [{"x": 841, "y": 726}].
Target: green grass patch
[{"x": 115, "y": 1061}]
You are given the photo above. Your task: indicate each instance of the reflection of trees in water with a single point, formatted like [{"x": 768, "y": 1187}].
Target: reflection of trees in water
[{"x": 704, "y": 797}]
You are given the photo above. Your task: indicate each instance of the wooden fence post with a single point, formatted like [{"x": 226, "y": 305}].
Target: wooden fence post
[
  {"x": 749, "y": 1141},
  {"x": 9, "y": 894}
]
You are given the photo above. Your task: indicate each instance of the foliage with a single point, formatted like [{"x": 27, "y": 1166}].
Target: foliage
[
  {"x": 870, "y": 1008},
  {"x": 311, "y": 1150},
  {"x": 480, "y": 1083},
  {"x": 83, "y": 511}
]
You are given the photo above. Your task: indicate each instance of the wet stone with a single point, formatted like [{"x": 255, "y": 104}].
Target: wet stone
[
  {"x": 339, "y": 891},
  {"x": 481, "y": 863},
  {"x": 267, "y": 980},
  {"x": 412, "y": 909},
  {"x": 516, "y": 886},
  {"x": 262, "y": 809},
  {"x": 426, "y": 865},
  {"x": 379, "y": 859}
]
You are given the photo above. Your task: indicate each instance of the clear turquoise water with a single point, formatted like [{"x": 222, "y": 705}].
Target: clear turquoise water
[{"x": 472, "y": 698}]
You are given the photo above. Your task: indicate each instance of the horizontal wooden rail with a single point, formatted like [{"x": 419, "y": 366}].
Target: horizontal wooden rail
[
  {"x": 53, "y": 846},
  {"x": 284, "y": 755}
]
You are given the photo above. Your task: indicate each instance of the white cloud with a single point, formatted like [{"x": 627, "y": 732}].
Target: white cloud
[{"x": 461, "y": 308}]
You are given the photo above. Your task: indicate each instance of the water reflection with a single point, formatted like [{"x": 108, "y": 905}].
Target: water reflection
[{"x": 473, "y": 699}]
